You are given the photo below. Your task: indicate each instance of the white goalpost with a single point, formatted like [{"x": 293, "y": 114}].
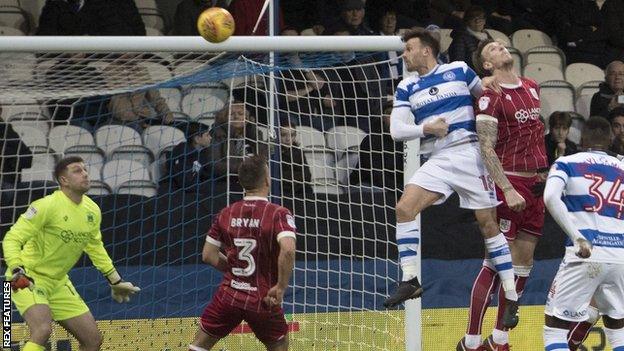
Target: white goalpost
[{"x": 329, "y": 94}]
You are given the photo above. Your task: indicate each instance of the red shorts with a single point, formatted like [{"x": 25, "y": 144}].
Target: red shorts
[
  {"x": 219, "y": 319},
  {"x": 531, "y": 219}
]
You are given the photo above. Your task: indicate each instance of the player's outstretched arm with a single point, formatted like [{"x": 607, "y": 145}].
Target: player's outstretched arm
[
  {"x": 212, "y": 255},
  {"x": 559, "y": 212},
  {"x": 487, "y": 131},
  {"x": 285, "y": 266}
]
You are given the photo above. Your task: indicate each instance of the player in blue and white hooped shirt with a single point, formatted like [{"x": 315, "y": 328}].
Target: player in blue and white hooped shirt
[
  {"x": 436, "y": 106},
  {"x": 585, "y": 195}
]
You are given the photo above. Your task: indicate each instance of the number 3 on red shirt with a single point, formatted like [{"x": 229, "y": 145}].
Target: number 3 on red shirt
[{"x": 245, "y": 247}]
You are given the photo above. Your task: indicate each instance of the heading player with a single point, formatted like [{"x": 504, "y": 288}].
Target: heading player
[
  {"x": 44, "y": 244},
  {"x": 511, "y": 137},
  {"x": 253, "y": 243},
  {"x": 436, "y": 106},
  {"x": 585, "y": 195}
]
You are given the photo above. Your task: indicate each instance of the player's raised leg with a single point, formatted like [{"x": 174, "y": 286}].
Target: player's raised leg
[
  {"x": 412, "y": 202},
  {"x": 85, "y": 330},
  {"x": 39, "y": 320}
]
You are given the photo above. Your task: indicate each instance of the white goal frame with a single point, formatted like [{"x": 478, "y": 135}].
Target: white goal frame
[{"x": 94, "y": 44}]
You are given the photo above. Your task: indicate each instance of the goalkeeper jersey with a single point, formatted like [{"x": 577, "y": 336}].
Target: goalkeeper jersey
[{"x": 49, "y": 238}]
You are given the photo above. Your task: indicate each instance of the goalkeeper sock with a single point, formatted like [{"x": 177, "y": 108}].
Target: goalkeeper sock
[
  {"x": 498, "y": 251},
  {"x": 408, "y": 238},
  {"x": 31, "y": 346}
]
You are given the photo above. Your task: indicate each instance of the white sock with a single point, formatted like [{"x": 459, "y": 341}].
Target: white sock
[
  {"x": 196, "y": 348},
  {"x": 555, "y": 339},
  {"x": 615, "y": 337},
  {"x": 472, "y": 341},
  {"x": 500, "y": 337},
  {"x": 593, "y": 315},
  {"x": 408, "y": 239},
  {"x": 498, "y": 251}
]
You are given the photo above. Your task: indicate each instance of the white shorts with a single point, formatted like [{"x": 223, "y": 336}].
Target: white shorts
[
  {"x": 577, "y": 282},
  {"x": 458, "y": 169}
]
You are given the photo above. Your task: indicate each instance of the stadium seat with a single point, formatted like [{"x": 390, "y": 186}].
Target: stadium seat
[
  {"x": 153, "y": 19},
  {"x": 445, "y": 39},
  {"x": 63, "y": 137},
  {"x": 10, "y": 3},
  {"x": 117, "y": 172},
  {"x": 98, "y": 65},
  {"x": 110, "y": 137},
  {"x": 320, "y": 163},
  {"x": 173, "y": 97},
  {"x": 36, "y": 174},
  {"x": 146, "y": 4},
  {"x": 556, "y": 96},
  {"x": 575, "y": 130},
  {"x": 201, "y": 100},
  {"x": 14, "y": 17},
  {"x": 589, "y": 88},
  {"x": 579, "y": 73},
  {"x": 551, "y": 55},
  {"x": 99, "y": 188},
  {"x": 137, "y": 153},
  {"x": 582, "y": 105},
  {"x": 153, "y": 32},
  {"x": 43, "y": 67},
  {"x": 308, "y": 31},
  {"x": 525, "y": 39},
  {"x": 345, "y": 141},
  {"x": 43, "y": 161},
  {"x": 25, "y": 106},
  {"x": 499, "y": 36},
  {"x": 17, "y": 66},
  {"x": 158, "y": 138},
  {"x": 32, "y": 119},
  {"x": 157, "y": 168},
  {"x": 34, "y": 138},
  {"x": 310, "y": 138},
  {"x": 157, "y": 72},
  {"x": 542, "y": 72},
  {"x": 91, "y": 154},
  {"x": 329, "y": 188},
  {"x": 138, "y": 187},
  {"x": 179, "y": 115},
  {"x": 518, "y": 59},
  {"x": 10, "y": 31},
  {"x": 207, "y": 118}
]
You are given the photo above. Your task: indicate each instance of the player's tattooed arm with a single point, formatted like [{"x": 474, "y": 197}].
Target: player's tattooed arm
[{"x": 487, "y": 131}]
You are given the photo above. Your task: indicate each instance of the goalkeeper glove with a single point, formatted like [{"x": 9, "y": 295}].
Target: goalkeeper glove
[
  {"x": 20, "y": 280},
  {"x": 120, "y": 289}
]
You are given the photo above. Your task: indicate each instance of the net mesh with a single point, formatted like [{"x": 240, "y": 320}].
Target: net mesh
[{"x": 318, "y": 117}]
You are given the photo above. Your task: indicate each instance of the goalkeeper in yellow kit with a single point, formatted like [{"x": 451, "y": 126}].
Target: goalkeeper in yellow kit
[{"x": 44, "y": 244}]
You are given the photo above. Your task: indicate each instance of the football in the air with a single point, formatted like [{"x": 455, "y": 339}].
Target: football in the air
[{"x": 215, "y": 24}]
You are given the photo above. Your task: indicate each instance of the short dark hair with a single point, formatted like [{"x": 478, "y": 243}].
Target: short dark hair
[
  {"x": 473, "y": 12},
  {"x": 61, "y": 166},
  {"x": 425, "y": 38},
  {"x": 616, "y": 112},
  {"x": 477, "y": 58},
  {"x": 559, "y": 118},
  {"x": 252, "y": 172},
  {"x": 597, "y": 133}
]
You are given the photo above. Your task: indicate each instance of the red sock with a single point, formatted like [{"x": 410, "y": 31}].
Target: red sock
[
  {"x": 485, "y": 284},
  {"x": 520, "y": 283},
  {"x": 578, "y": 333}
]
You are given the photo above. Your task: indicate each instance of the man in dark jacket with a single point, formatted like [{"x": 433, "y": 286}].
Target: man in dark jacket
[
  {"x": 116, "y": 17},
  {"x": 14, "y": 156},
  {"x": 64, "y": 17},
  {"x": 466, "y": 39},
  {"x": 190, "y": 163},
  {"x": 557, "y": 142},
  {"x": 611, "y": 92},
  {"x": 616, "y": 117}
]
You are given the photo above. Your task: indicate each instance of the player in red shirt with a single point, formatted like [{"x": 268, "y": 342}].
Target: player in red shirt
[
  {"x": 511, "y": 137},
  {"x": 253, "y": 243}
]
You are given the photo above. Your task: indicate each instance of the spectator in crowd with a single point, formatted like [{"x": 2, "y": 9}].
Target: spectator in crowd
[
  {"x": 614, "y": 22},
  {"x": 509, "y": 16},
  {"x": 467, "y": 38},
  {"x": 64, "y": 17},
  {"x": 186, "y": 15},
  {"x": 246, "y": 13},
  {"x": 611, "y": 93},
  {"x": 190, "y": 162},
  {"x": 437, "y": 35},
  {"x": 616, "y": 117},
  {"x": 139, "y": 108},
  {"x": 410, "y": 13},
  {"x": 582, "y": 32},
  {"x": 557, "y": 142},
  {"x": 381, "y": 158},
  {"x": 295, "y": 174},
  {"x": 299, "y": 15},
  {"x": 115, "y": 17},
  {"x": 385, "y": 23},
  {"x": 14, "y": 156},
  {"x": 352, "y": 14},
  {"x": 449, "y": 13},
  {"x": 233, "y": 138}
]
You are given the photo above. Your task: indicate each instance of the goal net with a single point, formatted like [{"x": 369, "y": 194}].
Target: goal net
[{"x": 321, "y": 118}]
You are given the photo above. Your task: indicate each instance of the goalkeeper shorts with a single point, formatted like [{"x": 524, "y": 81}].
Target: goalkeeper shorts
[{"x": 63, "y": 300}]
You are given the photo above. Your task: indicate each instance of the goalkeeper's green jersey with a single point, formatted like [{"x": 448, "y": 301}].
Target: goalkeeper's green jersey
[{"x": 49, "y": 238}]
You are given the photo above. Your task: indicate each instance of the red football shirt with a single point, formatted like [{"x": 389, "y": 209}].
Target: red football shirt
[
  {"x": 247, "y": 231},
  {"x": 520, "y": 145}
]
